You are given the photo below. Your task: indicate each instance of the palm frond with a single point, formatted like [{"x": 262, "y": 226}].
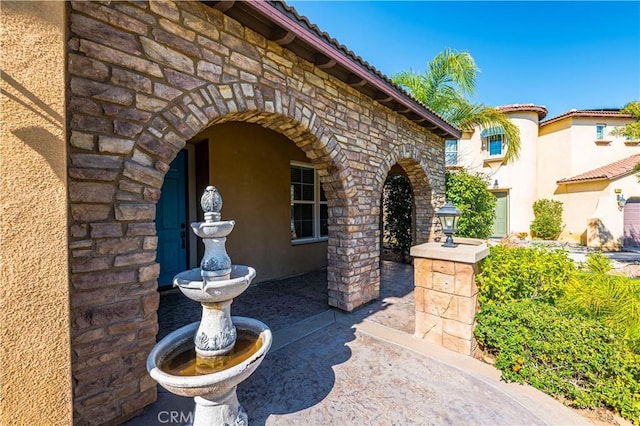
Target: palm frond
[
  {"x": 444, "y": 86},
  {"x": 450, "y": 67},
  {"x": 414, "y": 83}
]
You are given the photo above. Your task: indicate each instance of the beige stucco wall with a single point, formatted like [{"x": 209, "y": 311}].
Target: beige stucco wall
[
  {"x": 592, "y": 155},
  {"x": 554, "y": 156},
  {"x": 567, "y": 148},
  {"x": 250, "y": 166},
  {"x": 552, "y": 152},
  {"x": 35, "y": 386},
  {"x": 518, "y": 177},
  {"x": 595, "y": 202}
]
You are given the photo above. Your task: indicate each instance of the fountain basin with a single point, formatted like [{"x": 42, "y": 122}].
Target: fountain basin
[
  {"x": 221, "y": 382},
  {"x": 217, "y": 229},
  {"x": 202, "y": 290}
]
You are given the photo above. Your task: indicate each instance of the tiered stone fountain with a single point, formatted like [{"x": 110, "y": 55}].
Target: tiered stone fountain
[{"x": 206, "y": 360}]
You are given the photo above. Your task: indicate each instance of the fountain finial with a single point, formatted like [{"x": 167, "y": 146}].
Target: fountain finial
[{"x": 211, "y": 203}]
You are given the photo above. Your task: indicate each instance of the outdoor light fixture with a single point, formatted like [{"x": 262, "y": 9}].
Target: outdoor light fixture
[
  {"x": 621, "y": 201},
  {"x": 495, "y": 184},
  {"x": 448, "y": 216}
]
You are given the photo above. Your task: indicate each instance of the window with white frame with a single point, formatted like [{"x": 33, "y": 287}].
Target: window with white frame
[
  {"x": 309, "y": 211},
  {"x": 600, "y": 131},
  {"x": 451, "y": 152}
]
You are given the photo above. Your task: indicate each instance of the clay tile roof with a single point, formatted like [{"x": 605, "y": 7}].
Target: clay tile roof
[
  {"x": 610, "y": 171},
  {"x": 605, "y": 112},
  {"x": 540, "y": 109}
]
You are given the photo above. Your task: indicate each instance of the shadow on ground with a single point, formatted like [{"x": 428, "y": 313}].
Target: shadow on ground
[{"x": 301, "y": 375}]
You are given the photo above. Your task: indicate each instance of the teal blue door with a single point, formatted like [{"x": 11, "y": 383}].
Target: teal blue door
[
  {"x": 500, "y": 217},
  {"x": 171, "y": 221}
]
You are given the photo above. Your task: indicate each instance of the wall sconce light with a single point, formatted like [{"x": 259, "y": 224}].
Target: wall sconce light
[
  {"x": 448, "y": 216},
  {"x": 621, "y": 201},
  {"x": 495, "y": 184}
]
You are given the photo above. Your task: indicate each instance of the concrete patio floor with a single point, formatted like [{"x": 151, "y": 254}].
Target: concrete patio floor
[{"x": 365, "y": 367}]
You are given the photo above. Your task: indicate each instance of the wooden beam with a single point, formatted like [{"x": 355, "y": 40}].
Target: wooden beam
[
  {"x": 324, "y": 62},
  {"x": 355, "y": 81},
  {"x": 282, "y": 37},
  {"x": 382, "y": 97},
  {"x": 222, "y": 5}
]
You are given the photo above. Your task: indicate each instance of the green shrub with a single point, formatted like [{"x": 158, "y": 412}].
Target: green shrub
[
  {"x": 577, "y": 358},
  {"x": 547, "y": 222},
  {"x": 514, "y": 273},
  {"x": 612, "y": 299},
  {"x": 598, "y": 263},
  {"x": 476, "y": 203},
  {"x": 397, "y": 202}
]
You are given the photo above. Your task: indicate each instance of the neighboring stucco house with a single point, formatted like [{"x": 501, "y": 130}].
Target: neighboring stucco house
[
  {"x": 115, "y": 115},
  {"x": 572, "y": 158}
]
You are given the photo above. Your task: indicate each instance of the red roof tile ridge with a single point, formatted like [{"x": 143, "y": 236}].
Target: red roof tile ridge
[
  {"x": 540, "y": 109},
  {"x": 608, "y": 171},
  {"x": 603, "y": 112}
]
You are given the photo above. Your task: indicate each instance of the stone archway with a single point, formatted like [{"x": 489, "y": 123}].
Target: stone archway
[
  {"x": 114, "y": 297},
  {"x": 423, "y": 182},
  {"x": 115, "y": 176}
]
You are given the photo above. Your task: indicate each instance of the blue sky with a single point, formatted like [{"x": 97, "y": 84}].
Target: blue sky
[{"x": 563, "y": 55}]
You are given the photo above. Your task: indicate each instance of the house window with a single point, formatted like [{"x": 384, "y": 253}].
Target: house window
[
  {"x": 493, "y": 141},
  {"x": 451, "y": 152},
  {"x": 495, "y": 145},
  {"x": 309, "y": 211},
  {"x": 600, "y": 132}
]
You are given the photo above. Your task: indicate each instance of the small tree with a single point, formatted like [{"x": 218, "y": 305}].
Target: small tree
[
  {"x": 397, "y": 204},
  {"x": 547, "y": 222},
  {"x": 469, "y": 193}
]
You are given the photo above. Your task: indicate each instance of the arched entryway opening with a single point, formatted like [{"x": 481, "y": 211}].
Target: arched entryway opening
[
  {"x": 397, "y": 299},
  {"x": 281, "y": 181},
  {"x": 397, "y": 214},
  {"x": 262, "y": 176},
  {"x": 273, "y": 192},
  {"x": 412, "y": 166}
]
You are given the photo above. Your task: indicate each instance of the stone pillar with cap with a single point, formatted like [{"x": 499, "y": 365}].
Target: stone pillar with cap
[{"x": 446, "y": 293}]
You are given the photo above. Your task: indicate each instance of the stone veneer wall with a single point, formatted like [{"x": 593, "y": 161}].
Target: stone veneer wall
[
  {"x": 144, "y": 79},
  {"x": 446, "y": 299}
]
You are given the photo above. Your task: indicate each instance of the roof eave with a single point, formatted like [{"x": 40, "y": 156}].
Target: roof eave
[
  {"x": 575, "y": 181},
  {"x": 591, "y": 114}
]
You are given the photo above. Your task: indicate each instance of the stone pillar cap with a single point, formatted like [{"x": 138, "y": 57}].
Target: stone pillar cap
[{"x": 469, "y": 250}]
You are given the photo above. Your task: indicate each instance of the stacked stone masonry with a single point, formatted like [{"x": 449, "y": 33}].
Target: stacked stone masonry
[
  {"x": 144, "y": 79},
  {"x": 446, "y": 297}
]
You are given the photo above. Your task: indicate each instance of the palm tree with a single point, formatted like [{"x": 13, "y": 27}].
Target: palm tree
[{"x": 444, "y": 87}]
